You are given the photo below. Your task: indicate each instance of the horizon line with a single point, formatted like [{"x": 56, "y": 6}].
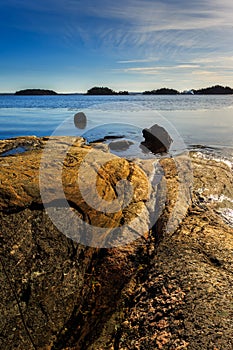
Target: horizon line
[{"x": 130, "y": 92}]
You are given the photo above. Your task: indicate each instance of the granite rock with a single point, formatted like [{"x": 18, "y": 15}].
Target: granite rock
[
  {"x": 171, "y": 288},
  {"x": 157, "y": 139}
]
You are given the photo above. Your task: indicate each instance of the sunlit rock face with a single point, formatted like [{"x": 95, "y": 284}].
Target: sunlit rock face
[{"x": 161, "y": 288}]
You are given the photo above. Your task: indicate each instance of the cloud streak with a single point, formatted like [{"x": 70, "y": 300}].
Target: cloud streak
[
  {"x": 150, "y": 16},
  {"x": 143, "y": 60},
  {"x": 144, "y": 38},
  {"x": 135, "y": 23},
  {"x": 158, "y": 69}
]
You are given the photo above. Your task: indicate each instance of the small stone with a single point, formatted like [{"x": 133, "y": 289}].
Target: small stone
[
  {"x": 121, "y": 145},
  {"x": 80, "y": 120}
]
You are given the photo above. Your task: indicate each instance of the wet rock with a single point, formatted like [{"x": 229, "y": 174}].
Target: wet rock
[
  {"x": 99, "y": 195},
  {"x": 80, "y": 120},
  {"x": 157, "y": 139},
  {"x": 121, "y": 145},
  {"x": 20, "y": 145}
]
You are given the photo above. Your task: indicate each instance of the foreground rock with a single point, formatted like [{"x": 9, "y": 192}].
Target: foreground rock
[
  {"x": 157, "y": 139},
  {"x": 76, "y": 175},
  {"x": 162, "y": 291}
]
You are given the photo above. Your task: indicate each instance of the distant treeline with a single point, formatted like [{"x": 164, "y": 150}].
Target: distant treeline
[
  {"x": 163, "y": 91},
  {"x": 105, "y": 91},
  {"x": 35, "y": 92},
  {"x": 96, "y": 90},
  {"x": 213, "y": 90}
]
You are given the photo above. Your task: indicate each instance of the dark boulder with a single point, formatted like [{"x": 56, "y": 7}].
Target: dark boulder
[
  {"x": 80, "y": 120},
  {"x": 157, "y": 139}
]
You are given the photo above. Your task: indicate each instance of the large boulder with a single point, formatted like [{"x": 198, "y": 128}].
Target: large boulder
[{"x": 157, "y": 139}]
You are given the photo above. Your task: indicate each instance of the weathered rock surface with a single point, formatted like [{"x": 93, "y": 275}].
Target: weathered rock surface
[
  {"x": 75, "y": 174},
  {"x": 8, "y": 147},
  {"x": 164, "y": 290}
]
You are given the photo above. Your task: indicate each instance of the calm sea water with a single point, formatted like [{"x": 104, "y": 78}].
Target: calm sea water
[{"x": 201, "y": 122}]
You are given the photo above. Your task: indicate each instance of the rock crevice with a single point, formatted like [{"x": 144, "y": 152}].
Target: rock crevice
[{"x": 164, "y": 290}]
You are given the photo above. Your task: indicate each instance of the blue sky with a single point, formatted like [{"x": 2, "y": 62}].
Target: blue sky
[{"x": 135, "y": 45}]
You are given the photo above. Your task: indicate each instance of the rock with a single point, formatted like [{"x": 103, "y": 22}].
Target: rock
[
  {"x": 96, "y": 169},
  {"x": 80, "y": 120},
  {"x": 163, "y": 290},
  {"x": 157, "y": 139},
  {"x": 121, "y": 145},
  {"x": 11, "y": 146},
  {"x": 180, "y": 304}
]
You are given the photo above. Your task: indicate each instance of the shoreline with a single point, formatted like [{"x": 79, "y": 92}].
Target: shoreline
[
  {"x": 164, "y": 288},
  {"x": 22, "y": 145},
  {"x": 105, "y": 91}
]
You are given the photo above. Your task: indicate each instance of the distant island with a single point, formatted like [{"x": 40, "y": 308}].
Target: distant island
[
  {"x": 29, "y": 92},
  {"x": 96, "y": 90},
  {"x": 213, "y": 90},
  {"x": 162, "y": 91}
]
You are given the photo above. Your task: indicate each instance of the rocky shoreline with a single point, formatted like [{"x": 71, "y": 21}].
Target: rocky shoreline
[{"x": 163, "y": 290}]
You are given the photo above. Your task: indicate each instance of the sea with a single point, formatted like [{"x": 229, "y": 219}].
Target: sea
[
  {"x": 199, "y": 123},
  {"x": 203, "y": 122}
]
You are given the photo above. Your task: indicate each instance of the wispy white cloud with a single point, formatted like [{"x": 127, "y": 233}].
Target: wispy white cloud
[
  {"x": 137, "y": 60},
  {"x": 152, "y": 26},
  {"x": 149, "y": 16},
  {"x": 157, "y": 69},
  {"x": 145, "y": 16},
  {"x": 185, "y": 66},
  {"x": 211, "y": 77},
  {"x": 183, "y": 37},
  {"x": 217, "y": 60}
]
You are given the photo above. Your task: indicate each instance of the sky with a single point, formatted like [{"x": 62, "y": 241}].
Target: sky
[{"x": 134, "y": 45}]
